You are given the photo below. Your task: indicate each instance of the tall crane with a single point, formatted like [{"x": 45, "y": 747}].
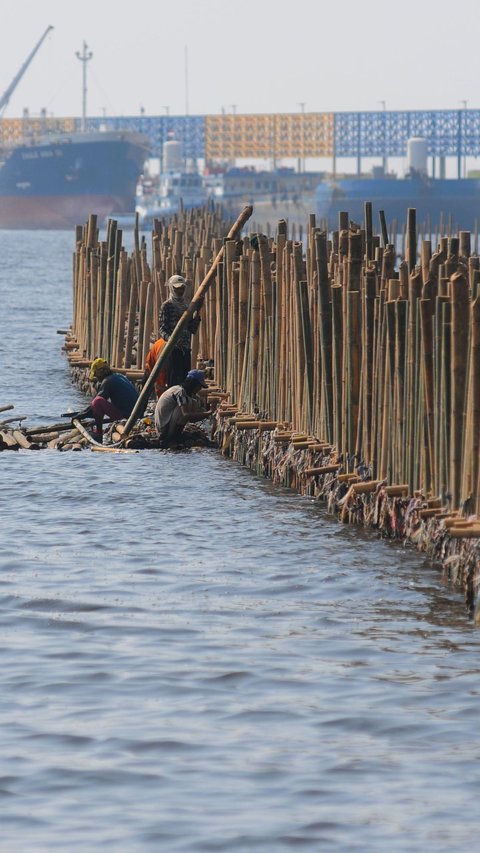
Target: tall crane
[{"x": 4, "y": 99}]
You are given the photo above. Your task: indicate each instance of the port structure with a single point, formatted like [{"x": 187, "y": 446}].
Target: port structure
[{"x": 381, "y": 133}]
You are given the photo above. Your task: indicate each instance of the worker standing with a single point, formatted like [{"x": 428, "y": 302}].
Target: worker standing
[
  {"x": 180, "y": 360},
  {"x": 161, "y": 380}
]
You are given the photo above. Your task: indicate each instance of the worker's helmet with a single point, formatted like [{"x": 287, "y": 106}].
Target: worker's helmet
[{"x": 98, "y": 364}]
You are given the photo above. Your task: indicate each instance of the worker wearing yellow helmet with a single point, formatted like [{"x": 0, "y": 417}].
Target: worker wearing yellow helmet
[{"x": 115, "y": 397}]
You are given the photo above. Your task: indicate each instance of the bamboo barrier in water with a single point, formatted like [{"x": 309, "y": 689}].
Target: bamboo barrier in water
[
  {"x": 365, "y": 369},
  {"x": 381, "y": 361},
  {"x": 117, "y": 295}
]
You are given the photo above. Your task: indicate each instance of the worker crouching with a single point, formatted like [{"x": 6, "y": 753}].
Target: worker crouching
[
  {"x": 115, "y": 398},
  {"x": 180, "y": 405}
]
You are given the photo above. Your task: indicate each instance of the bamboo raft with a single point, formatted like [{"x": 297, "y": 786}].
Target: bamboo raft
[{"x": 338, "y": 371}]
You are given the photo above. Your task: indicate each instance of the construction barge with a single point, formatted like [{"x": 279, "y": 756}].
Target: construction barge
[{"x": 337, "y": 372}]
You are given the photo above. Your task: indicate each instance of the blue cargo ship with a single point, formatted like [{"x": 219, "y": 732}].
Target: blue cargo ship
[
  {"x": 58, "y": 181},
  {"x": 455, "y": 200}
]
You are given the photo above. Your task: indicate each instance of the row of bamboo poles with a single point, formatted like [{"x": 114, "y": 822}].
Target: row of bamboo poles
[
  {"x": 333, "y": 338},
  {"x": 397, "y": 231},
  {"x": 380, "y": 361},
  {"x": 117, "y": 295}
]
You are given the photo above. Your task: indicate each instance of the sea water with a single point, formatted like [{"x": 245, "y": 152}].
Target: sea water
[{"x": 193, "y": 660}]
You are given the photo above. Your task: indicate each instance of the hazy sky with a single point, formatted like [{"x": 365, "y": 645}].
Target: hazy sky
[{"x": 259, "y": 55}]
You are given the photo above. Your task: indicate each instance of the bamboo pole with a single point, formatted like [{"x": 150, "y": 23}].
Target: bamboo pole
[{"x": 459, "y": 292}]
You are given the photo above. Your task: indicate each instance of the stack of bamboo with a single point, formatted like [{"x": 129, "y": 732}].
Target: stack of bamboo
[{"x": 13, "y": 436}]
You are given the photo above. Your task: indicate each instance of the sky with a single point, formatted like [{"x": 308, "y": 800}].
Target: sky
[{"x": 251, "y": 56}]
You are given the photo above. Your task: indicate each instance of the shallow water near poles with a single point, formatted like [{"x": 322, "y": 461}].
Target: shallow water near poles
[{"x": 193, "y": 660}]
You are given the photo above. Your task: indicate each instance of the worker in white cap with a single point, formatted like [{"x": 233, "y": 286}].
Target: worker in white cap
[{"x": 180, "y": 360}]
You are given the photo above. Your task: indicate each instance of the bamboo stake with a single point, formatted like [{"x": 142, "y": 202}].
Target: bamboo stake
[{"x": 458, "y": 284}]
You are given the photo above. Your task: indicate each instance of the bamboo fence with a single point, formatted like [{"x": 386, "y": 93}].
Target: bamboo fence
[
  {"x": 381, "y": 361},
  {"x": 117, "y": 295},
  {"x": 337, "y": 338}
]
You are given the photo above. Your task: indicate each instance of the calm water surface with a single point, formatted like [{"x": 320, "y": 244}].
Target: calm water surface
[{"x": 191, "y": 660}]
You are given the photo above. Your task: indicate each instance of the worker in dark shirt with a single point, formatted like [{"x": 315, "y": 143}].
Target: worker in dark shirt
[
  {"x": 116, "y": 396},
  {"x": 172, "y": 309}
]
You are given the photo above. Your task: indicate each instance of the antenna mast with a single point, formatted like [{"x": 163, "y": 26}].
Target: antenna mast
[
  {"x": 186, "y": 80},
  {"x": 84, "y": 57}
]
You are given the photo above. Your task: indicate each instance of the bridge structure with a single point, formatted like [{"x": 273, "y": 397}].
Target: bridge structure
[{"x": 383, "y": 133}]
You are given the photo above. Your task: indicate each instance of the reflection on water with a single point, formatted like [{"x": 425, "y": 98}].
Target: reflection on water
[{"x": 192, "y": 660}]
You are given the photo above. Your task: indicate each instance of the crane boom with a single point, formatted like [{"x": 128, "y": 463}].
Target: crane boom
[{"x": 4, "y": 99}]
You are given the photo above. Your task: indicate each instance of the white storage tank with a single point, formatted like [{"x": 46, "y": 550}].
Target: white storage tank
[
  {"x": 417, "y": 154},
  {"x": 173, "y": 156}
]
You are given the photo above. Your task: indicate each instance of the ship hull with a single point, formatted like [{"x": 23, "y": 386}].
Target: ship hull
[
  {"x": 57, "y": 212},
  {"x": 437, "y": 201},
  {"x": 57, "y": 184}
]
